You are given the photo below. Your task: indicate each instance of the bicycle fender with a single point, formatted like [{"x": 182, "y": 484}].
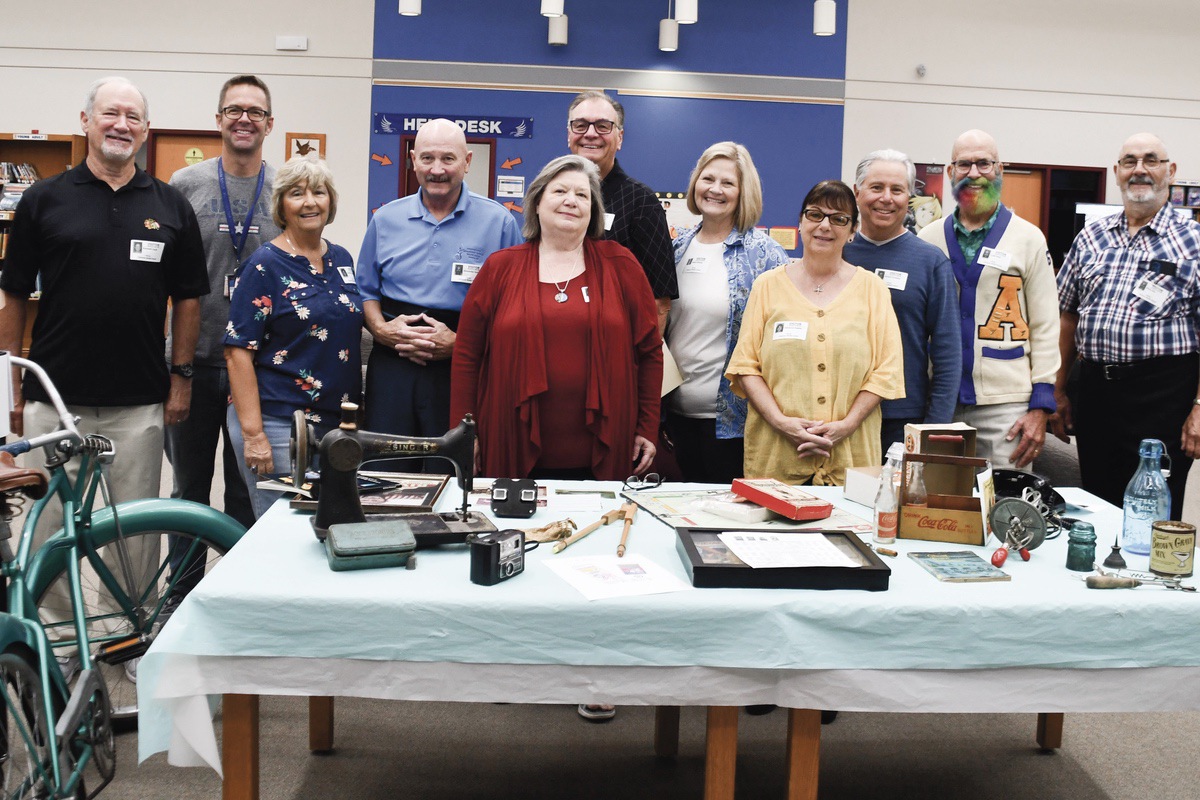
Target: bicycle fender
[
  {"x": 15, "y": 632},
  {"x": 153, "y": 513}
]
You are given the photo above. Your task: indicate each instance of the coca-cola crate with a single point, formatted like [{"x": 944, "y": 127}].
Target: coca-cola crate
[{"x": 953, "y": 513}]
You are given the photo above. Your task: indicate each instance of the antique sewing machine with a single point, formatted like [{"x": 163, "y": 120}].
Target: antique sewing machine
[{"x": 345, "y": 448}]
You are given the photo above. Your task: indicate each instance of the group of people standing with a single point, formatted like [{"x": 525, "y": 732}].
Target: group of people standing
[{"x": 551, "y": 336}]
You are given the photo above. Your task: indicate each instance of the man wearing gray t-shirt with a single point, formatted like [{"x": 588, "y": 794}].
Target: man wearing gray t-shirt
[{"x": 231, "y": 196}]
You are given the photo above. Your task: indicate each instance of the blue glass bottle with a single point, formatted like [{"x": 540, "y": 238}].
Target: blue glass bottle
[{"x": 1147, "y": 499}]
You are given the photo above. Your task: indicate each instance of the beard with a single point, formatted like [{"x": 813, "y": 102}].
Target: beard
[
  {"x": 1143, "y": 191},
  {"x": 980, "y": 202}
]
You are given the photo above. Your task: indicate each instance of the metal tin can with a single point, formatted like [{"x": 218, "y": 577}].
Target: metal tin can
[{"x": 1172, "y": 548}]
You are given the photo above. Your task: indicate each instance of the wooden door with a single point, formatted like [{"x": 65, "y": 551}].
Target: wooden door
[{"x": 1024, "y": 192}]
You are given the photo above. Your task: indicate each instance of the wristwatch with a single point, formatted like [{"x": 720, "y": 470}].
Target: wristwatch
[{"x": 182, "y": 370}]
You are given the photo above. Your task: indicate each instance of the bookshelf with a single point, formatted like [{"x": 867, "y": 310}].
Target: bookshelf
[{"x": 49, "y": 154}]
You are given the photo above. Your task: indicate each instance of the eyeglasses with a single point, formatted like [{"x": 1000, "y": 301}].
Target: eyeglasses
[
  {"x": 984, "y": 165},
  {"x": 235, "y": 112},
  {"x": 1149, "y": 162},
  {"x": 836, "y": 219},
  {"x": 602, "y": 126},
  {"x": 635, "y": 483}
]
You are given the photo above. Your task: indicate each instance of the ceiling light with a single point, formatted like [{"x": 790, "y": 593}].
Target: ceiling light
[
  {"x": 410, "y": 8},
  {"x": 558, "y": 30},
  {"x": 668, "y": 35},
  {"x": 824, "y": 18},
  {"x": 686, "y": 11},
  {"x": 552, "y": 8}
]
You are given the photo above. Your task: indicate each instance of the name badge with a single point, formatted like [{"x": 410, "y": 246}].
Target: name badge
[
  {"x": 347, "y": 274},
  {"x": 462, "y": 272},
  {"x": 584, "y": 291},
  {"x": 696, "y": 264},
  {"x": 894, "y": 278},
  {"x": 146, "y": 250},
  {"x": 1150, "y": 291},
  {"x": 997, "y": 259},
  {"x": 230, "y": 285},
  {"x": 790, "y": 330},
  {"x": 609, "y": 219}
]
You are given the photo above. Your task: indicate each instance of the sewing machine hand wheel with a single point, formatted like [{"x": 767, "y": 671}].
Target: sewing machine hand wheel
[
  {"x": 301, "y": 447},
  {"x": 1017, "y": 523}
]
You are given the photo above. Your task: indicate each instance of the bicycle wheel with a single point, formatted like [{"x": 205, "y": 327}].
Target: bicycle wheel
[
  {"x": 171, "y": 563},
  {"x": 25, "y": 760}
]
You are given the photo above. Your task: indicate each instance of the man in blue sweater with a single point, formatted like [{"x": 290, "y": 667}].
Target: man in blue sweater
[{"x": 923, "y": 293}]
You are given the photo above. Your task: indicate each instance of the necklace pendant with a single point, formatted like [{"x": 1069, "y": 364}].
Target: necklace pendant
[
  {"x": 561, "y": 297},
  {"x": 818, "y": 289}
]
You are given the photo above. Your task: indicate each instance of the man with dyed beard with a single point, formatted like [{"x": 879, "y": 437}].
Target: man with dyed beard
[{"x": 1008, "y": 307}]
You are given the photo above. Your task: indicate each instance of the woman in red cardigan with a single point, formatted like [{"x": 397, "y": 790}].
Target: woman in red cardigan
[{"x": 558, "y": 354}]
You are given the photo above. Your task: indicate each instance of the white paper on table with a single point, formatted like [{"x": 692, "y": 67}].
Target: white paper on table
[
  {"x": 601, "y": 577},
  {"x": 765, "y": 550},
  {"x": 577, "y": 502}
]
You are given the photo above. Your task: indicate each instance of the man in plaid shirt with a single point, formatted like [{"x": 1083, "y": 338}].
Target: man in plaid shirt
[{"x": 1129, "y": 296}]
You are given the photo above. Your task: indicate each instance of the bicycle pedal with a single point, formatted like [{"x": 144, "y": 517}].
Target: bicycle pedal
[{"x": 122, "y": 651}]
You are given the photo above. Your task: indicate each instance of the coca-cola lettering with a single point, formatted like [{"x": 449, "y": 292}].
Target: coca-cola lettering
[{"x": 944, "y": 524}]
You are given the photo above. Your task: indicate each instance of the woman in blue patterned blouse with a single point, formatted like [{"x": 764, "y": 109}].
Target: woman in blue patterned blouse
[
  {"x": 716, "y": 261},
  {"x": 295, "y": 322}
]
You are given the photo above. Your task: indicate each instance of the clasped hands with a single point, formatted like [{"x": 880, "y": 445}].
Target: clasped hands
[
  {"x": 417, "y": 337},
  {"x": 814, "y": 437}
]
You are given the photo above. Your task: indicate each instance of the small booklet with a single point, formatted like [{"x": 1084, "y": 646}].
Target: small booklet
[{"x": 959, "y": 566}]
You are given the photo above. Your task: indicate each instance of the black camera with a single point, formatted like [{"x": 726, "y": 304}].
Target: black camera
[{"x": 497, "y": 556}]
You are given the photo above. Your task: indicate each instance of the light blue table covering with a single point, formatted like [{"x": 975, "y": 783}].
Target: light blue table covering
[{"x": 275, "y": 596}]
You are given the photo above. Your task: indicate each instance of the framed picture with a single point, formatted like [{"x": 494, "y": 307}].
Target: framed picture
[
  {"x": 1178, "y": 195},
  {"x": 306, "y": 145},
  {"x": 1193, "y": 196}
]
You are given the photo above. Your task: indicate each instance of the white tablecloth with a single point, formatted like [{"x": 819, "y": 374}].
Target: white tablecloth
[{"x": 274, "y": 619}]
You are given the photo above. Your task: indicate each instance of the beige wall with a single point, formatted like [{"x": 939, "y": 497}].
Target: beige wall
[
  {"x": 180, "y": 58},
  {"x": 1056, "y": 82}
]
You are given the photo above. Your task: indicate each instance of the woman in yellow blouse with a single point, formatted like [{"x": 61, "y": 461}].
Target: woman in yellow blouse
[{"x": 819, "y": 348}]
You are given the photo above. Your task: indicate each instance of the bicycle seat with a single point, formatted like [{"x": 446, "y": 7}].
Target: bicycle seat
[{"x": 32, "y": 482}]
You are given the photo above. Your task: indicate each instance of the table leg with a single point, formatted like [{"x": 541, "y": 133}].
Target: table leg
[
  {"x": 803, "y": 753},
  {"x": 239, "y": 746},
  {"x": 320, "y": 724},
  {"x": 1049, "y": 731},
  {"x": 720, "y": 758},
  {"x": 666, "y": 731}
]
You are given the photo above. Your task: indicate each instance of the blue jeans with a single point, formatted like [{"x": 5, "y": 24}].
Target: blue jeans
[{"x": 279, "y": 434}]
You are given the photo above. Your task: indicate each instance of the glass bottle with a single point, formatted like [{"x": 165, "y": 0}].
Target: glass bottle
[
  {"x": 1081, "y": 547},
  {"x": 1147, "y": 499},
  {"x": 916, "y": 494},
  {"x": 887, "y": 506}
]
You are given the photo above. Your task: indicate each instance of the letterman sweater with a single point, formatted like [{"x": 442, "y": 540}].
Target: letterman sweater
[{"x": 1008, "y": 305}]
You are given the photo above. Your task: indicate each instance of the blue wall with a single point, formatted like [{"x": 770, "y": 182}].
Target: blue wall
[
  {"x": 763, "y": 37},
  {"x": 794, "y": 144}
]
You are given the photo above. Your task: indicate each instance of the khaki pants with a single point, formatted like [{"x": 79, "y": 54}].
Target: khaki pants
[{"x": 137, "y": 434}]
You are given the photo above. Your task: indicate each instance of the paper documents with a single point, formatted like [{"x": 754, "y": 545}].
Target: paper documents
[
  {"x": 765, "y": 550},
  {"x": 601, "y": 577}
]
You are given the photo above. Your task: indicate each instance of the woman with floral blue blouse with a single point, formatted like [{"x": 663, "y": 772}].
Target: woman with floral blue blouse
[
  {"x": 716, "y": 261},
  {"x": 295, "y": 322}
]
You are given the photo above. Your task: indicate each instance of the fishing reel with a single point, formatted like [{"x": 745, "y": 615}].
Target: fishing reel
[{"x": 1020, "y": 527}]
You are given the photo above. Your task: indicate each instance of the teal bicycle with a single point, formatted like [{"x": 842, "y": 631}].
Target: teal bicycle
[{"x": 65, "y": 671}]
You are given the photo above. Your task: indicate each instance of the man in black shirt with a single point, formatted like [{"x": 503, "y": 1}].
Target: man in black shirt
[
  {"x": 111, "y": 244},
  {"x": 634, "y": 217}
]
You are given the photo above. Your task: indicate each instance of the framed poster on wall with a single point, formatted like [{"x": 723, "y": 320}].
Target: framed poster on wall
[{"x": 307, "y": 145}]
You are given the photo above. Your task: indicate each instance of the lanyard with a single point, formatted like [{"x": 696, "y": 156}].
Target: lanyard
[{"x": 239, "y": 234}]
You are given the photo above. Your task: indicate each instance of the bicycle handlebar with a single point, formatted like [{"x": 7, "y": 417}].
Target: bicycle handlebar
[{"x": 68, "y": 431}]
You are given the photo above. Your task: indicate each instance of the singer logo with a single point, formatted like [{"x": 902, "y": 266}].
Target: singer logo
[{"x": 933, "y": 524}]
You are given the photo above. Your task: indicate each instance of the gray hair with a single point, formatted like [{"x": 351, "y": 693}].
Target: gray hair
[
  {"x": 864, "y": 167},
  {"x": 532, "y": 229},
  {"x": 90, "y": 101},
  {"x": 593, "y": 94},
  {"x": 296, "y": 171}
]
